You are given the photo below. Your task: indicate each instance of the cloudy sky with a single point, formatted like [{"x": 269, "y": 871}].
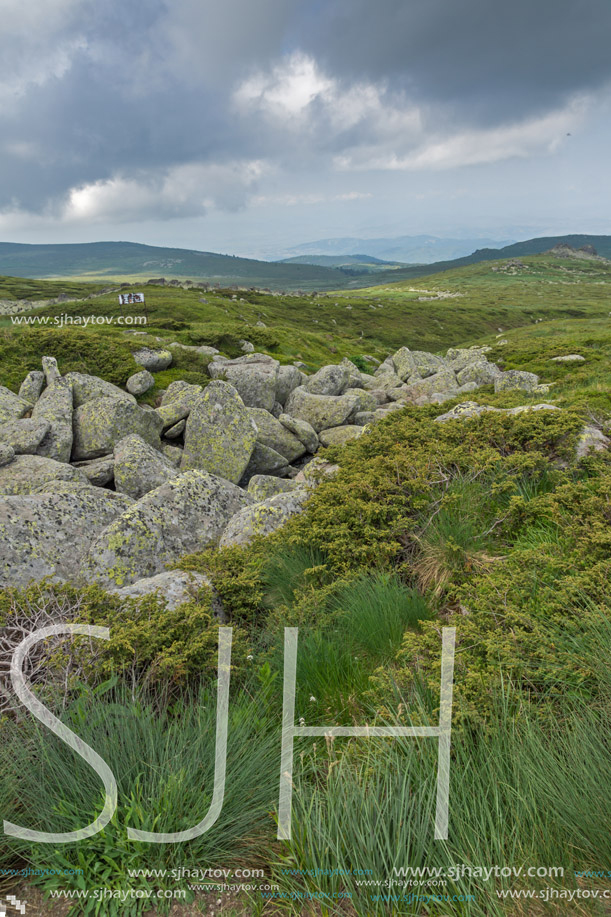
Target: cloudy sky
[{"x": 248, "y": 126}]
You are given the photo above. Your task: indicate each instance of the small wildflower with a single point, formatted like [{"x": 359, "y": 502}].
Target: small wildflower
[
  {"x": 312, "y": 699},
  {"x": 301, "y": 721},
  {"x": 250, "y": 658}
]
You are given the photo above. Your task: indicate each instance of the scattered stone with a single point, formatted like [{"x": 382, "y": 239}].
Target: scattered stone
[
  {"x": 246, "y": 347},
  {"x": 444, "y": 381},
  {"x": 265, "y": 460},
  {"x": 330, "y": 380},
  {"x": 568, "y": 358},
  {"x": 408, "y": 363},
  {"x": 591, "y": 439},
  {"x": 320, "y": 411},
  {"x": 480, "y": 373},
  {"x": 516, "y": 379},
  {"x": 101, "y": 423},
  {"x": 177, "y": 430},
  {"x": 24, "y": 435},
  {"x": 32, "y": 386},
  {"x": 175, "y": 587},
  {"x": 139, "y": 468},
  {"x": 180, "y": 517},
  {"x": 272, "y": 433},
  {"x": 140, "y": 383},
  {"x": 172, "y": 453},
  {"x": 263, "y": 518},
  {"x": 99, "y": 472},
  {"x": 220, "y": 435},
  {"x": 305, "y": 432},
  {"x": 316, "y": 471},
  {"x": 337, "y": 436},
  {"x": 153, "y": 360},
  {"x": 289, "y": 377}
]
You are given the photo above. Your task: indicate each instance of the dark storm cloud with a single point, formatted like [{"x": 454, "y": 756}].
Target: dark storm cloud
[{"x": 137, "y": 88}]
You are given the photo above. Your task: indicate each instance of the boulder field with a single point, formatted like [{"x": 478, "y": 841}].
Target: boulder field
[{"x": 95, "y": 487}]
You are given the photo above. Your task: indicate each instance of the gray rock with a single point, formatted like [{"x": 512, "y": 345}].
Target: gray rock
[
  {"x": 481, "y": 372},
  {"x": 330, "y": 380},
  {"x": 27, "y": 472},
  {"x": 289, "y": 377},
  {"x": 516, "y": 379},
  {"x": 50, "y": 370},
  {"x": 320, "y": 411},
  {"x": 220, "y": 434},
  {"x": 177, "y": 430},
  {"x": 180, "y": 517},
  {"x": 461, "y": 411},
  {"x": 139, "y": 468},
  {"x": 272, "y": 433},
  {"x": 365, "y": 417},
  {"x": 461, "y": 357},
  {"x": 254, "y": 376},
  {"x": 568, "y": 358},
  {"x": 172, "y": 453},
  {"x": 316, "y": 471},
  {"x": 361, "y": 399},
  {"x": 175, "y": 587},
  {"x": 277, "y": 410},
  {"x": 263, "y": 486},
  {"x": 305, "y": 432},
  {"x": 263, "y": 518},
  {"x": 203, "y": 350},
  {"x": 140, "y": 383},
  {"x": 32, "y": 386},
  {"x": 444, "y": 381},
  {"x": 101, "y": 423},
  {"x": 265, "y": 460},
  {"x": 87, "y": 388},
  {"x": 408, "y": 363},
  {"x": 179, "y": 390},
  {"x": 48, "y": 534},
  {"x": 24, "y": 435},
  {"x": 355, "y": 376},
  {"x": 12, "y": 407},
  {"x": 7, "y": 454},
  {"x": 247, "y": 347},
  {"x": 55, "y": 408},
  {"x": 337, "y": 436},
  {"x": 99, "y": 472},
  {"x": 177, "y": 402},
  {"x": 153, "y": 360},
  {"x": 591, "y": 439}
]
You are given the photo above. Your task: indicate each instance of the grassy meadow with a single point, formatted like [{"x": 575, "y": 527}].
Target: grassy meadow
[{"x": 489, "y": 525}]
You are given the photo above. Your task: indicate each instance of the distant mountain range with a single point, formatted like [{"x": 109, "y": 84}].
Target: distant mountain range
[
  {"x": 420, "y": 249},
  {"x": 130, "y": 261}
]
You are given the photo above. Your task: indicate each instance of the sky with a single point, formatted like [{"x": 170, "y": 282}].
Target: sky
[{"x": 250, "y": 126}]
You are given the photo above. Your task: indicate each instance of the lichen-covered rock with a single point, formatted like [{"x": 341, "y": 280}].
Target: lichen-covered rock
[
  {"x": 444, "y": 381},
  {"x": 178, "y": 390},
  {"x": 591, "y": 439},
  {"x": 361, "y": 399},
  {"x": 12, "y": 407},
  {"x": 320, "y": 411},
  {"x": 263, "y": 486},
  {"x": 139, "y": 468},
  {"x": 175, "y": 587},
  {"x": 99, "y": 472},
  {"x": 32, "y": 386},
  {"x": 140, "y": 383},
  {"x": 48, "y": 534},
  {"x": 177, "y": 430},
  {"x": 177, "y": 402},
  {"x": 337, "y": 436},
  {"x": 153, "y": 360},
  {"x": 87, "y": 388},
  {"x": 172, "y": 453},
  {"x": 355, "y": 376},
  {"x": 180, "y": 517},
  {"x": 516, "y": 379},
  {"x": 7, "y": 454},
  {"x": 364, "y": 417},
  {"x": 265, "y": 460},
  {"x": 466, "y": 409},
  {"x": 254, "y": 376},
  {"x": 101, "y": 423},
  {"x": 50, "y": 370},
  {"x": 289, "y": 377},
  {"x": 26, "y": 472},
  {"x": 481, "y": 372},
  {"x": 330, "y": 380},
  {"x": 460, "y": 357},
  {"x": 567, "y": 358},
  {"x": 270, "y": 432},
  {"x": 220, "y": 434},
  {"x": 305, "y": 432},
  {"x": 55, "y": 408},
  {"x": 263, "y": 518},
  {"x": 24, "y": 435},
  {"x": 409, "y": 363},
  {"x": 316, "y": 471}
]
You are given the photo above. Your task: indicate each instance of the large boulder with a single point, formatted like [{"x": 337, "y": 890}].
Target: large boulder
[
  {"x": 440, "y": 382},
  {"x": 220, "y": 435},
  {"x": 102, "y": 422},
  {"x": 355, "y": 376},
  {"x": 12, "y": 406},
  {"x": 320, "y": 411},
  {"x": 153, "y": 360},
  {"x": 409, "y": 363},
  {"x": 7, "y": 454},
  {"x": 305, "y": 432},
  {"x": 55, "y": 408},
  {"x": 48, "y": 534},
  {"x": 460, "y": 357},
  {"x": 265, "y": 460},
  {"x": 24, "y": 435},
  {"x": 32, "y": 386},
  {"x": 361, "y": 399},
  {"x": 330, "y": 380},
  {"x": 175, "y": 587},
  {"x": 263, "y": 518},
  {"x": 289, "y": 377},
  {"x": 99, "y": 472},
  {"x": 180, "y": 517},
  {"x": 516, "y": 379},
  {"x": 481, "y": 372},
  {"x": 28, "y": 472},
  {"x": 270, "y": 432},
  {"x": 86, "y": 388},
  {"x": 176, "y": 404},
  {"x": 254, "y": 376},
  {"x": 138, "y": 468}
]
